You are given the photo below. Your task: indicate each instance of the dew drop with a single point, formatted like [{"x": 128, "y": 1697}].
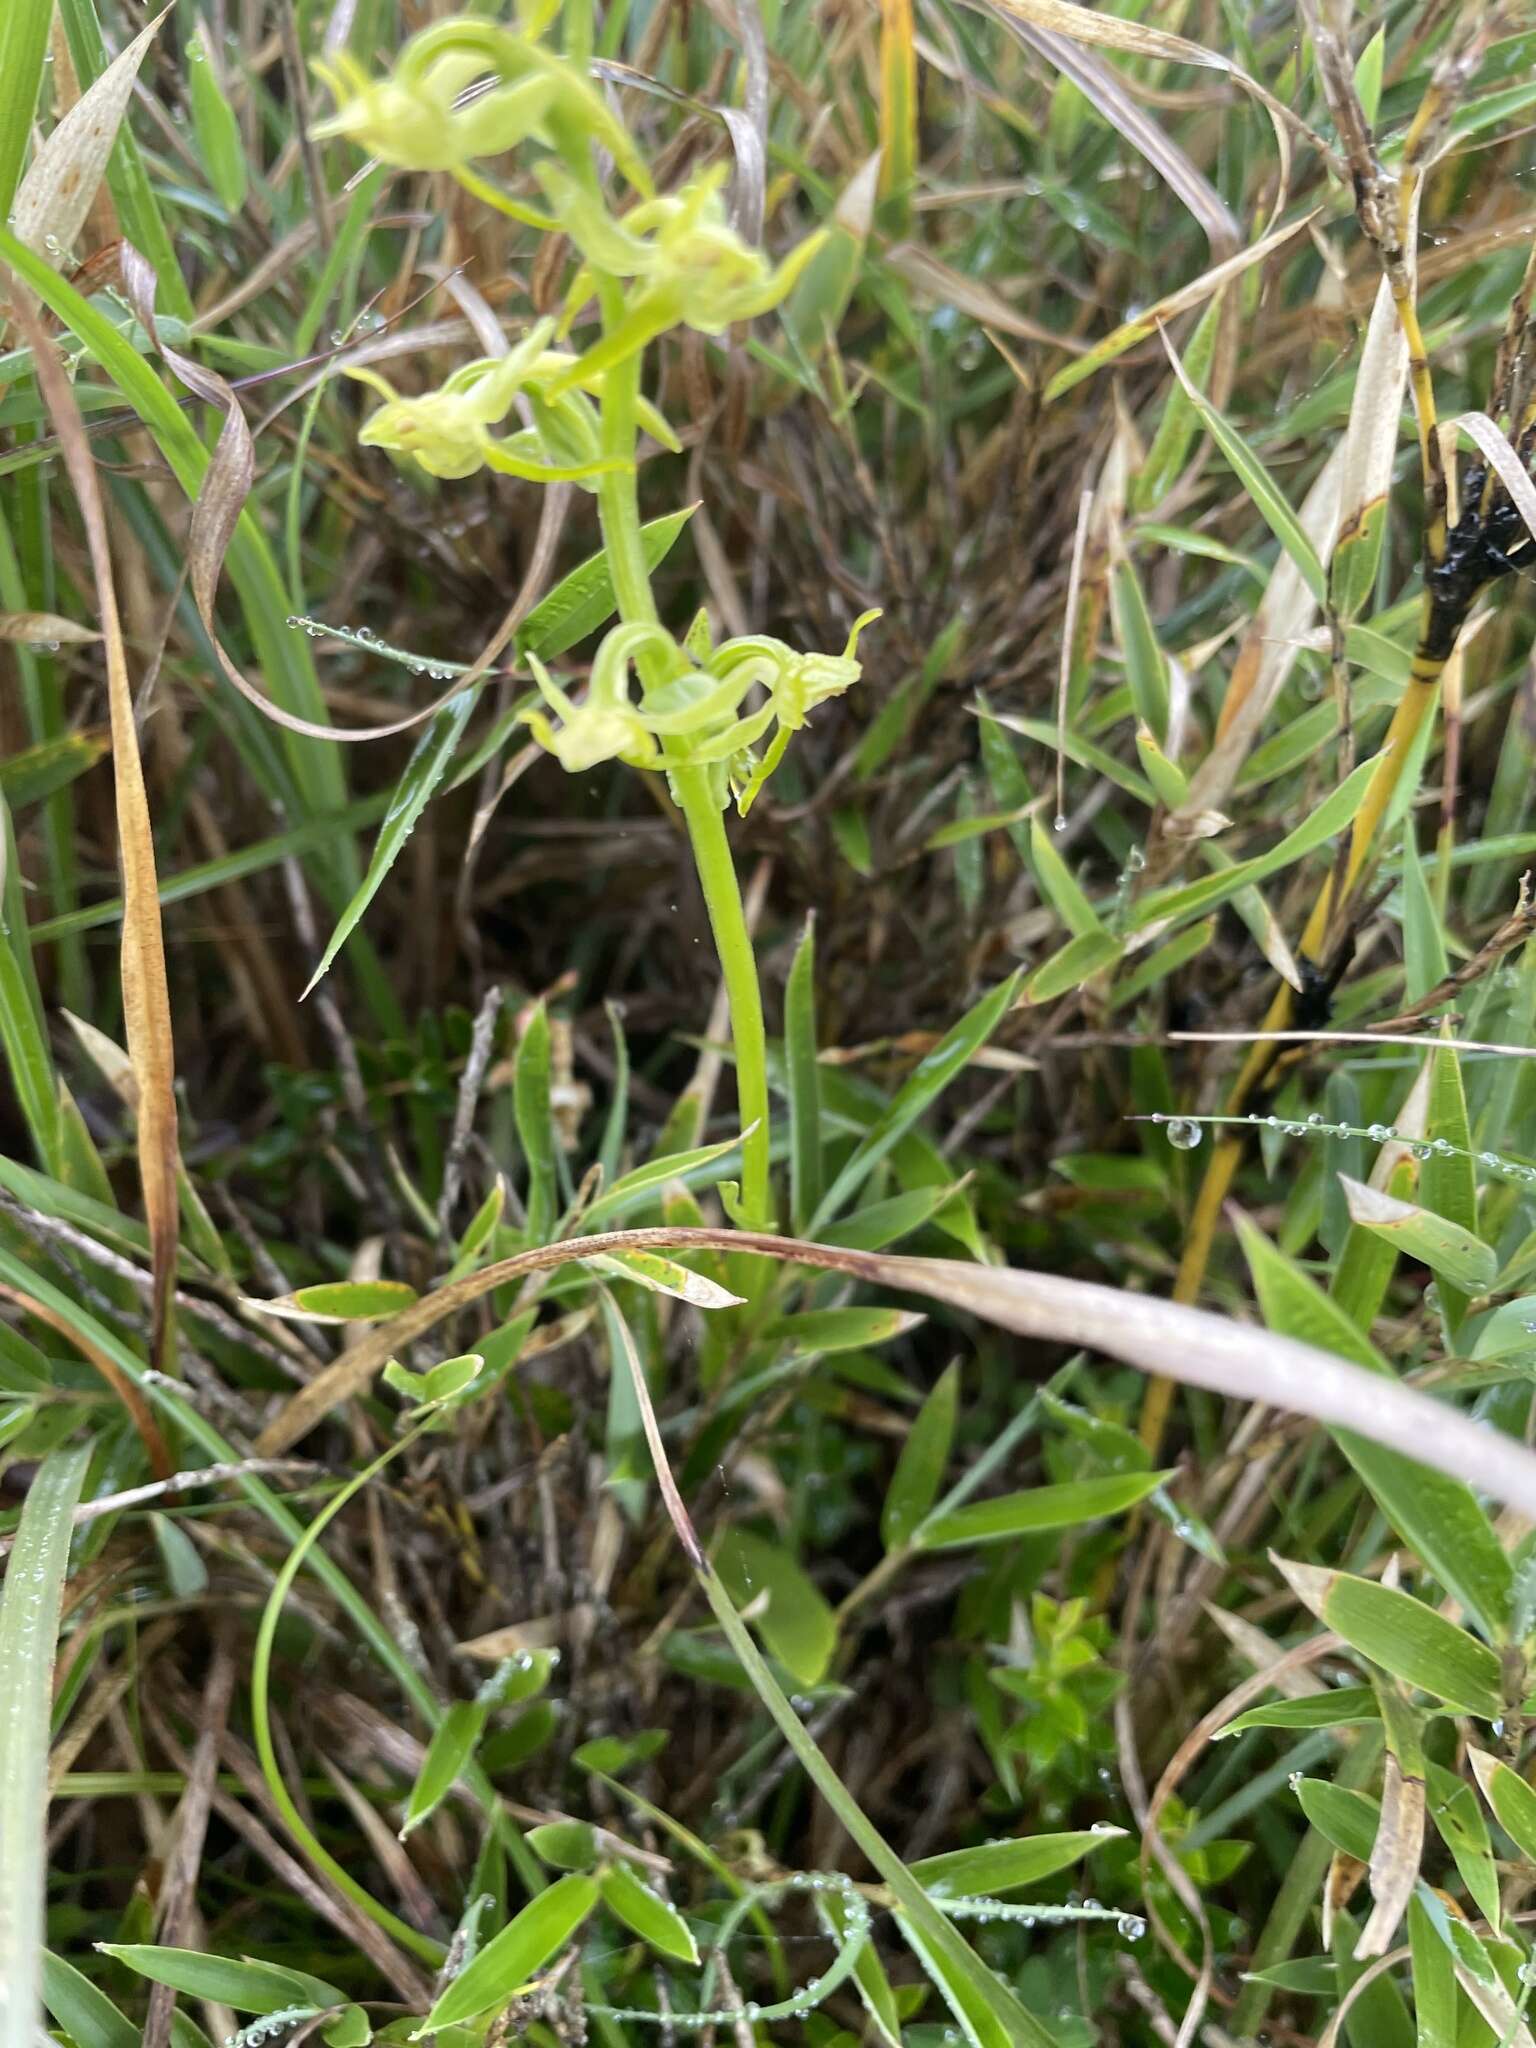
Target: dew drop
[
  {"x": 1061, "y": 821},
  {"x": 1183, "y": 1135}
]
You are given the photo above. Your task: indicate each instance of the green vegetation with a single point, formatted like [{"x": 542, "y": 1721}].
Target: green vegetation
[{"x": 768, "y": 1199}]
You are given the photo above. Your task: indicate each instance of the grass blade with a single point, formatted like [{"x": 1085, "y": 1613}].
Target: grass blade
[{"x": 29, "y": 1625}]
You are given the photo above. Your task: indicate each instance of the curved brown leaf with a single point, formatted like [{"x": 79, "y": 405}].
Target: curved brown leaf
[
  {"x": 146, "y": 999},
  {"x": 1160, "y": 1337}
]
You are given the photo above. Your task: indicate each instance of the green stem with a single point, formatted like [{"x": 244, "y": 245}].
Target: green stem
[{"x": 619, "y": 510}]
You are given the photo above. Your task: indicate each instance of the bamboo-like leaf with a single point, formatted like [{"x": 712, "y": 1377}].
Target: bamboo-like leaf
[
  {"x": 1403, "y": 1636},
  {"x": 423, "y": 772},
  {"x": 920, "y": 1468},
  {"x": 30, "y": 1602},
  {"x": 1188, "y": 899},
  {"x": 1065, "y": 1506},
  {"x": 584, "y": 600},
  {"x": 996, "y": 1867},
  {"x": 146, "y": 999},
  {"x": 1268, "y": 499},
  {"x": 247, "y": 1986},
  {"x": 1450, "y": 1251},
  {"x": 214, "y": 122},
  {"x": 639, "y": 1908},
  {"x": 62, "y": 179},
  {"x": 795, "y": 1620},
  {"x": 516, "y": 1955},
  {"x": 1146, "y": 324},
  {"x": 1442, "y": 1519}
]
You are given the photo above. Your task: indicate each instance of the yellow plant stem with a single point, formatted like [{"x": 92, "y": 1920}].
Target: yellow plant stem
[{"x": 1407, "y": 722}]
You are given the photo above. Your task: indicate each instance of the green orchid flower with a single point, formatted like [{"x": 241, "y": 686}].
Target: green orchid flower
[
  {"x": 448, "y": 431},
  {"x": 464, "y": 89},
  {"x": 698, "y": 710},
  {"x": 795, "y": 683},
  {"x": 689, "y": 265}
]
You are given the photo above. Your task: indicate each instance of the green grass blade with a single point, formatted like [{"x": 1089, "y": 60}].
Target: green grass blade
[
  {"x": 23, "y": 42},
  {"x": 30, "y": 1603}
]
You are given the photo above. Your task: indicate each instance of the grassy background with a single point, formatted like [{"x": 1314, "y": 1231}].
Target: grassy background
[{"x": 931, "y": 427}]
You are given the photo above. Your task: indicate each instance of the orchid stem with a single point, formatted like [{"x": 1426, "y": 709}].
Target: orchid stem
[{"x": 619, "y": 510}]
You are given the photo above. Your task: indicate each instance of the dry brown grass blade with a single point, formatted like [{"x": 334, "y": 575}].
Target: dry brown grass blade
[
  {"x": 1104, "y": 92},
  {"x": 1145, "y": 325},
  {"x": 1159, "y": 1337},
  {"x": 1088, "y": 25},
  {"x": 161, "y": 1462},
  {"x": 146, "y": 998}
]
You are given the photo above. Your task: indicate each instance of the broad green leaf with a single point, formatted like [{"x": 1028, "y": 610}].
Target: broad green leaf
[
  {"x": 342, "y": 1301},
  {"x": 1058, "y": 885},
  {"x": 1146, "y": 665},
  {"x": 995, "y": 1867},
  {"x": 566, "y": 1844},
  {"x": 644, "y": 1181},
  {"x": 535, "y": 1124},
  {"x": 1452, "y": 1806},
  {"x": 1451, "y": 1252},
  {"x": 1434, "y": 1970},
  {"x": 32, "y": 773},
  {"x": 1511, "y": 1799},
  {"x": 1347, "y": 1819},
  {"x": 1344, "y": 1706},
  {"x": 1042, "y": 1507},
  {"x": 801, "y": 1073},
  {"x": 659, "y": 1275},
  {"x": 850, "y": 830},
  {"x": 23, "y": 47},
  {"x": 448, "y": 1754},
  {"x": 873, "y": 1227},
  {"x": 1330, "y": 818},
  {"x": 1448, "y": 1178},
  {"x": 584, "y": 600},
  {"x": 820, "y": 1330},
  {"x": 795, "y": 1621},
  {"x": 1268, "y": 499},
  {"x": 214, "y": 124},
  {"x": 515, "y": 1956},
  {"x": 656, "y": 1922},
  {"x": 423, "y": 772},
  {"x": 932, "y": 1076},
  {"x": 85, "y": 2013},
  {"x": 1368, "y": 75},
  {"x": 920, "y": 1468},
  {"x": 1439, "y": 1516},
  {"x": 1078, "y": 961},
  {"x": 1424, "y": 957},
  {"x": 1180, "y": 423},
  {"x": 1403, "y": 1636},
  {"x": 1165, "y": 776},
  {"x": 247, "y": 1986}
]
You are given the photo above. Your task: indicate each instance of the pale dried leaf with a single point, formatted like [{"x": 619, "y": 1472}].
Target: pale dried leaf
[
  {"x": 1375, "y": 415},
  {"x": 950, "y": 288},
  {"x": 1395, "y": 1857},
  {"x": 1163, "y": 1337},
  {"x": 62, "y": 180},
  {"x": 1495, "y": 445},
  {"x": 146, "y": 998},
  {"x": 44, "y": 629},
  {"x": 1101, "y": 87}
]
